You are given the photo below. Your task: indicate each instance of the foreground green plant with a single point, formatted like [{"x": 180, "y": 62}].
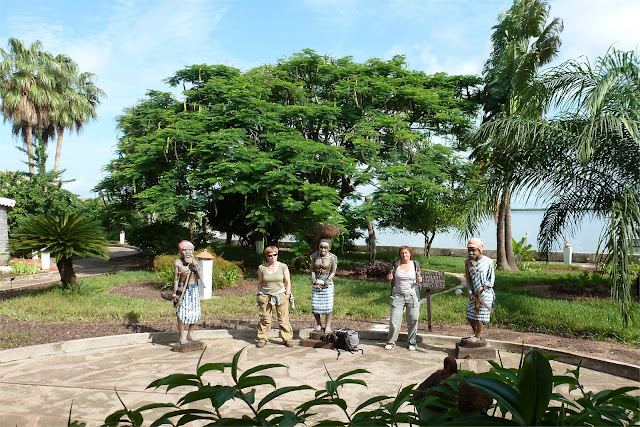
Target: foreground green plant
[{"x": 522, "y": 396}]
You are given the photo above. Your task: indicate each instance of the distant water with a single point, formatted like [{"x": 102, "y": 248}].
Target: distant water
[{"x": 523, "y": 223}]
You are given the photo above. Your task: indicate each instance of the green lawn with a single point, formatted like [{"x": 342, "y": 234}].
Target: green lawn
[{"x": 519, "y": 305}]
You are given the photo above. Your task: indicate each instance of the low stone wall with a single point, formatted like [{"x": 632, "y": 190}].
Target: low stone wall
[{"x": 578, "y": 257}]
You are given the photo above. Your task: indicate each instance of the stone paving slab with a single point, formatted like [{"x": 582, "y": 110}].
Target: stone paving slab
[{"x": 39, "y": 391}]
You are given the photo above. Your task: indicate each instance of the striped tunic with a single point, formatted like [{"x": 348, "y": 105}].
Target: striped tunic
[
  {"x": 482, "y": 276},
  {"x": 189, "y": 309}
]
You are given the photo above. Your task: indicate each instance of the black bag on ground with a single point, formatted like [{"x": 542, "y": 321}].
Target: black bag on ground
[{"x": 345, "y": 339}]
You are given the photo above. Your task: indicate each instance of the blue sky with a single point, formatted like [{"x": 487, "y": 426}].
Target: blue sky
[{"x": 133, "y": 45}]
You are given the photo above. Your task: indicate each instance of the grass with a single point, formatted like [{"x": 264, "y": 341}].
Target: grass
[{"x": 519, "y": 305}]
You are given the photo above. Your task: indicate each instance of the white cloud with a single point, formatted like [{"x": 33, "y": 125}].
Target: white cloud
[{"x": 590, "y": 28}]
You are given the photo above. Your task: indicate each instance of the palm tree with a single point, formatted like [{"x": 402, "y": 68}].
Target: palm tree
[
  {"x": 64, "y": 236},
  {"x": 584, "y": 160},
  {"x": 79, "y": 96},
  {"x": 27, "y": 80},
  {"x": 522, "y": 42}
]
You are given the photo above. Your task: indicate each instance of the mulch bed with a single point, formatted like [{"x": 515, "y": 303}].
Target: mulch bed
[{"x": 15, "y": 333}]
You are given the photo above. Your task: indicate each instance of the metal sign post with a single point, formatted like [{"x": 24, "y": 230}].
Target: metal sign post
[{"x": 431, "y": 280}]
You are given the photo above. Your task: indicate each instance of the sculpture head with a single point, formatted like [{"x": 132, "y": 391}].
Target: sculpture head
[
  {"x": 325, "y": 246},
  {"x": 475, "y": 248},
  {"x": 186, "y": 249}
]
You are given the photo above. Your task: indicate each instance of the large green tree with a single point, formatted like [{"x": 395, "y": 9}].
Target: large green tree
[
  {"x": 275, "y": 149},
  {"x": 583, "y": 160},
  {"x": 427, "y": 195},
  {"x": 523, "y": 40}
]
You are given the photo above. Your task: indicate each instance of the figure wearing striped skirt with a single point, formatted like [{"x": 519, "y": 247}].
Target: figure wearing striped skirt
[
  {"x": 186, "y": 275},
  {"x": 323, "y": 269},
  {"x": 480, "y": 279}
]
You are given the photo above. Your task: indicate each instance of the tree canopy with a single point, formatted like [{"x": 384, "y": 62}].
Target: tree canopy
[{"x": 277, "y": 148}]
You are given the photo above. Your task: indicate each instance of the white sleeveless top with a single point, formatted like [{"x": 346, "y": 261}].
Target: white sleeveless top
[{"x": 404, "y": 281}]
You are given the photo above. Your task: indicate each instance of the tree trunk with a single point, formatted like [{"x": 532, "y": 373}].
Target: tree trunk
[
  {"x": 508, "y": 238},
  {"x": 229, "y": 236},
  {"x": 56, "y": 164},
  {"x": 28, "y": 137},
  {"x": 67, "y": 274},
  {"x": 371, "y": 242},
  {"x": 502, "y": 263},
  {"x": 428, "y": 241}
]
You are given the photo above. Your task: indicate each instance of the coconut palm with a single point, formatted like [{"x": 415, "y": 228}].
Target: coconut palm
[
  {"x": 64, "y": 236},
  {"x": 522, "y": 42},
  {"x": 27, "y": 81},
  {"x": 79, "y": 98},
  {"x": 583, "y": 160}
]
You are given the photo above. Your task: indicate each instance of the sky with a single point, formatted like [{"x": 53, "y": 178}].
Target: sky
[{"x": 131, "y": 46}]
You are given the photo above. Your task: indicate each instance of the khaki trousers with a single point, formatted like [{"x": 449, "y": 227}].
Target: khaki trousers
[{"x": 282, "y": 312}]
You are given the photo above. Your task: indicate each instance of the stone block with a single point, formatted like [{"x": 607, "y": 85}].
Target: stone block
[
  {"x": 487, "y": 352},
  {"x": 190, "y": 346},
  {"x": 316, "y": 344}
]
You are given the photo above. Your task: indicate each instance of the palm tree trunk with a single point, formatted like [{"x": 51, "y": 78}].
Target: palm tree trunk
[
  {"x": 371, "y": 242},
  {"x": 508, "y": 238},
  {"x": 67, "y": 274},
  {"x": 502, "y": 263},
  {"x": 56, "y": 164},
  {"x": 28, "y": 139}
]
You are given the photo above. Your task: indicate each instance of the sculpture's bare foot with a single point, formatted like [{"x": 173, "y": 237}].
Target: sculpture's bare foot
[
  {"x": 327, "y": 329},
  {"x": 183, "y": 341},
  {"x": 318, "y": 327},
  {"x": 191, "y": 338},
  {"x": 473, "y": 339}
]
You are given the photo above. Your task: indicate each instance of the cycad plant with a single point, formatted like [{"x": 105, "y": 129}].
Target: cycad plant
[{"x": 64, "y": 236}]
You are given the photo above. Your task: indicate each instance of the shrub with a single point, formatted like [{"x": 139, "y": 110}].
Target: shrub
[
  {"x": 225, "y": 273},
  {"x": 372, "y": 271},
  {"x": 21, "y": 267},
  {"x": 163, "y": 266}
]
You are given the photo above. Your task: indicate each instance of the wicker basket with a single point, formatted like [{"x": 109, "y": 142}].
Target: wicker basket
[{"x": 326, "y": 231}]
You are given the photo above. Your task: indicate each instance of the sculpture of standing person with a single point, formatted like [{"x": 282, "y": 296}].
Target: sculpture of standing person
[
  {"x": 187, "y": 302},
  {"x": 480, "y": 279},
  {"x": 323, "y": 269},
  {"x": 274, "y": 293},
  {"x": 405, "y": 295}
]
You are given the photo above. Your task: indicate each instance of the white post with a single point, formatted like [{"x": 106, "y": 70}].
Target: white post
[
  {"x": 45, "y": 261},
  {"x": 122, "y": 237},
  {"x": 205, "y": 262},
  {"x": 567, "y": 253}
]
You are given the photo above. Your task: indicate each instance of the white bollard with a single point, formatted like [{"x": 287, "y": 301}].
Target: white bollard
[
  {"x": 205, "y": 262},
  {"x": 122, "y": 237},
  {"x": 45, "y": 261},
  {"x": 567, "y": 252}
]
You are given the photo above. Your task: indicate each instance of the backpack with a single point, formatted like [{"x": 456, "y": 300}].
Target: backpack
[{"x": 345, "y": 339}]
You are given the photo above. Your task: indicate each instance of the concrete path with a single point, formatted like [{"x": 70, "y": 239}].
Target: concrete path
[
  {"x": 120, "y": 258},
  {"x": 39, "y": 384}
]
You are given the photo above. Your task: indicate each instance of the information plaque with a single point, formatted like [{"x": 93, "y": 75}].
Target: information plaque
[{"x": 432, "y": 280}]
